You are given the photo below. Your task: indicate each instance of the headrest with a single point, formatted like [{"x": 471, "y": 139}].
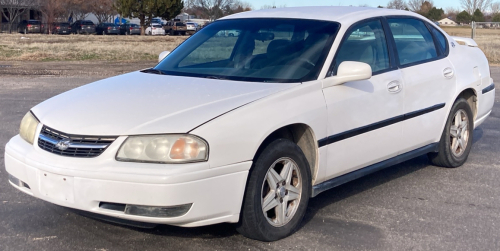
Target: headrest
[{"x": 277, "y": 47}]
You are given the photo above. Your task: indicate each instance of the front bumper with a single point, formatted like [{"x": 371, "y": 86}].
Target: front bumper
[{"x": 215, "y": 194}]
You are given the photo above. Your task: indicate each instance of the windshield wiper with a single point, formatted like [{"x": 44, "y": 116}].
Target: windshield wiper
[
  {"x": 154, "y": 71},
  {"x": 215, "y": 77}
]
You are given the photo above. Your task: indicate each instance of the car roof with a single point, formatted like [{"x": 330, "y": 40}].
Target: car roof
[{"x": 341, "y": 14}]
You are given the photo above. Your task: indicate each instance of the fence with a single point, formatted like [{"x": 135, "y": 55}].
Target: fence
[{"x": 483, "y": 25}]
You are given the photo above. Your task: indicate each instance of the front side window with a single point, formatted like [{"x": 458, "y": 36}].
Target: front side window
[
  {"x": 414, "y": 42},
  {"x": 259, "y": 50},
  {"x": 365, "y": 43}
]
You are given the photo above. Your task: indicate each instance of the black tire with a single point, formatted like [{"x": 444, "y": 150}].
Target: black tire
[
  {"x": 171, "y": 32},
  {"x": 253, "y": 223},
  {"x": 445, "y": 156},
  {"x": 150, "y": 33}
]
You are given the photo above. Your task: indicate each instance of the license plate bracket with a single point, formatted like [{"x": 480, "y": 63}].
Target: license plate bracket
[{"x": 57, "y": 187}]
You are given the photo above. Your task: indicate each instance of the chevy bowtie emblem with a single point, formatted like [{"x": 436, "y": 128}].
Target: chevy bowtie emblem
[{"x": 63, "y": 144}]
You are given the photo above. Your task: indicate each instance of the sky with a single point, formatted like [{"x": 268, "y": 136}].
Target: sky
[{"x": 257, "y": 4}]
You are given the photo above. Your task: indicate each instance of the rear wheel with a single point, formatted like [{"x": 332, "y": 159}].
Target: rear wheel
[
  {"x": 149, "y": 33},
  {"x": 456, "y": 140},
  {"x": 277, "y": 193}
]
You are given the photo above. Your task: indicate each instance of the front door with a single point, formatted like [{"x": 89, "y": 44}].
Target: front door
[{"x": 364, "y": 116}]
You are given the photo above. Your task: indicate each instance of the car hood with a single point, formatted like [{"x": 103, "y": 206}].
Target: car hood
[{"x": 142, "y": 103}]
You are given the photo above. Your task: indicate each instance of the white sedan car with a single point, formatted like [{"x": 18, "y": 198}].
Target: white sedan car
[
  {"x": 155, "y": 29},
  {"x": 247, "y": 129}
]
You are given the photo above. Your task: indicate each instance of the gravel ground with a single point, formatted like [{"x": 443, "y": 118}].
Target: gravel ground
[{"x": 410, "y": 206}]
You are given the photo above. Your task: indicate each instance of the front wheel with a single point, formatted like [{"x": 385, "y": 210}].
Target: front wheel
[
  {"x": 456, "y": 140},
  {"x": 277, "y": 193}
]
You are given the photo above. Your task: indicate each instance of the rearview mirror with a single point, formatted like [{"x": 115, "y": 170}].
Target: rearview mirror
[
  {"x": 163, "y": 55},
  {"x": 349, "y": 71},
  {"x": 264, "y": 36}
]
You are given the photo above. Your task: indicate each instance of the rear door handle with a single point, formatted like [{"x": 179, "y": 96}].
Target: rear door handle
[
  {"x": 394, "y": 87},
  {"x": 448, "y": 73}
]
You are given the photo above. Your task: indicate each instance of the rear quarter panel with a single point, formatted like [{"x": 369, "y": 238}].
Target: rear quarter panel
[{"x": 472, "y": 71}]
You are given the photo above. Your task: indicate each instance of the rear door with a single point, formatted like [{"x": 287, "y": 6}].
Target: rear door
[
  {"x": 363, "y": 116},
  {"x": 428, "y": 78}
]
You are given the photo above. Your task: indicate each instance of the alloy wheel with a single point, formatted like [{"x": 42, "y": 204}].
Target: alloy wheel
[
  {"x": 281, "y": 192},
  {"x": 459, "y": 133}
]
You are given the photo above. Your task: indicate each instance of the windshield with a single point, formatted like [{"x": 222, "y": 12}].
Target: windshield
[{"x": 259, "y": 50}]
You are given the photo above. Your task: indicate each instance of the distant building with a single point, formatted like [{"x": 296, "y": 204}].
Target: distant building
[
  {"x": 447, "y": 22},
  {"x": 185, "y": 17},
  {"x": 32, "y": 13}
]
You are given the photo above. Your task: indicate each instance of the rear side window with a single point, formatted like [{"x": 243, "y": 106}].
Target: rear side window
[
  {"x": 441, "y": 39},
  {"x": 365, "y": 43},
  {"x": 414, "y": 42}
]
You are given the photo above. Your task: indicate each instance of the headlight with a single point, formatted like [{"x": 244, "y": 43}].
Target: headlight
[
  {"x": 170, "y": 148},
  {"x": 27, "y": 130}
]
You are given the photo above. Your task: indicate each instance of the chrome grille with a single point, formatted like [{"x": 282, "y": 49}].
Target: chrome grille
[{"x": 77, "y": 145}]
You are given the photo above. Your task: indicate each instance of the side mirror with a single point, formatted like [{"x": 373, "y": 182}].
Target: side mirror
[
  {"x": 349, "y": 71},
  {"x": 163, "y": 55}
]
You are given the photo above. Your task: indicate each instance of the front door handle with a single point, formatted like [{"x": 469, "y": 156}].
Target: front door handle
[
  {"x": 448, "y": 73},
  {"x": 394, "y": 87}
]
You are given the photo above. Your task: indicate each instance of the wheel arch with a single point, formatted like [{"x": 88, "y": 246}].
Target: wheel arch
[
  {"x": 302, "y": 135},
  {"x": 469, "y": 94}
]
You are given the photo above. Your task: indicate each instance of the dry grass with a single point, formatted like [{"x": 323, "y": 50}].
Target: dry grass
[
  {"x": 140, "y": 48},
  {"x": 35, "y": 47},
  {"x": 487, "y": 39}
]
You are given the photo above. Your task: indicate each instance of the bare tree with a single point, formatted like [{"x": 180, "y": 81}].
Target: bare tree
[
  {"x": 397, "y": 4},
  {"x": 416, "y": 5},
  {"x": 472, "y": 5},
  {"x": 451, "y": 13},
  {"x": 104, "y": 10},
  {"x": 495, "y": 8},
  {"x": 213, "y": 8},
  {"x": 78, "y": 9},
  {"x": 52, "y": 11},
  {"x": 16, "y": 8}
]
